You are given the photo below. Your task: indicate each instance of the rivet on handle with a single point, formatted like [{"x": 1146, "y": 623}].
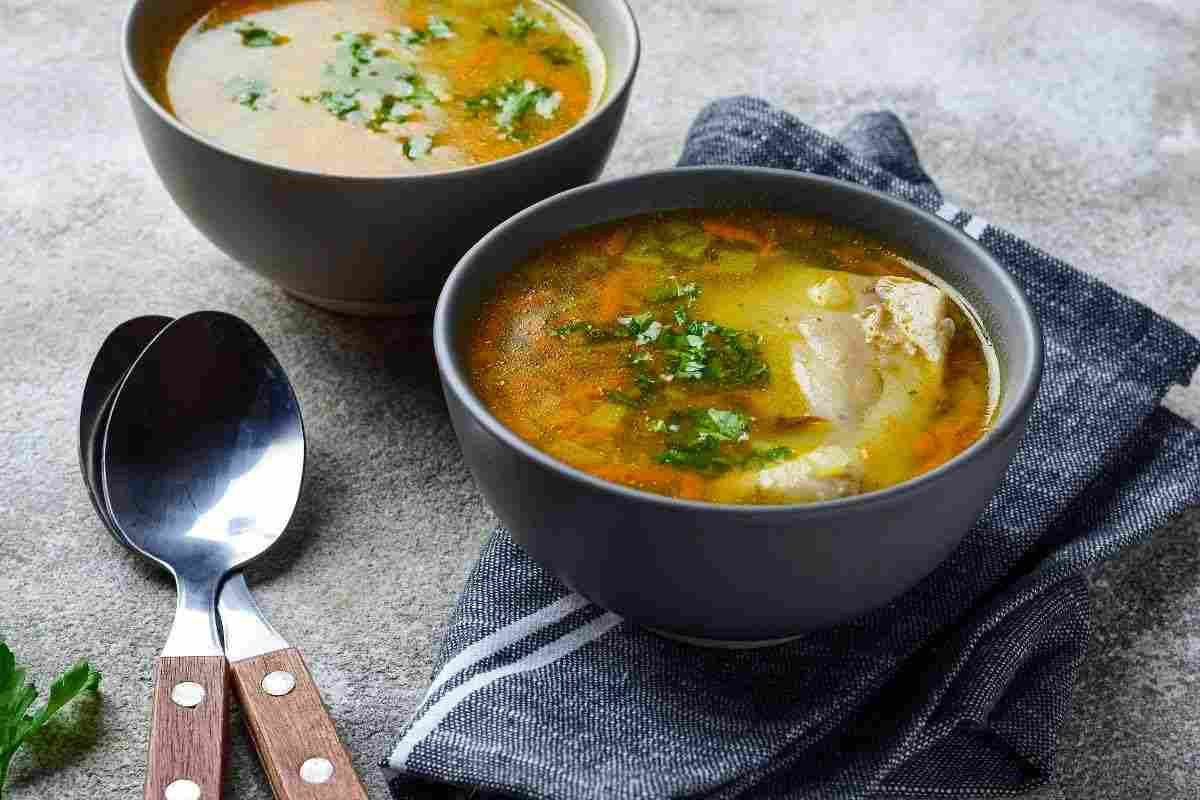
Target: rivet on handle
[
  {"x": 278, "y": 683},
  {"x": 182, "y": 790},
  {"x": 187, "y": 695},
  {"x": 316, "y": 770}
]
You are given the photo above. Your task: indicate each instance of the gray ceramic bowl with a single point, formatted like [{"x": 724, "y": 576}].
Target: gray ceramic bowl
[
  {"x": 377, "y": 245},
  {"x": 723, "y": 572}
]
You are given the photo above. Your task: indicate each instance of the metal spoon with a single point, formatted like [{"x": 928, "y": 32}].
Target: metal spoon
[
  {"x": 201, "y": 467},
  {"x": 246, "y": 632}
]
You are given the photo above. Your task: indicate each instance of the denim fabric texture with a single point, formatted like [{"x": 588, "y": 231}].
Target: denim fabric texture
[{"x": 956, "y": 689}]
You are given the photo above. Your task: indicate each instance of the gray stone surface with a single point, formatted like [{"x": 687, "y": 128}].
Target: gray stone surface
[{"x": 1074, "y": 123}]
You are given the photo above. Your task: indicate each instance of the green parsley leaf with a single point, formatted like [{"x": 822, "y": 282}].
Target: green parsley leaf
[
  {"x": 591, "y": 333},
  {"x": 390, "y": 109},
  {"x": 560, "y": 56},
  {"x": 337, "y": 103},
  {"x": 513, "y": 101},
  {"x": 521, "y": 23},
  {"x": 252, "y": 93},
  {"x": 713, "y": 441},
  {"x": 257, "y": 36},
  {"x": 673, "y": 290},
  {"x": 440, "y": 28},
  {"x": 418, "y": 147},
  {"x": 17, "y": 723},
  {"x": 687, "y": 351},
  {"x": 409, "y": 37},
  {"x": 436, "y": 28}
]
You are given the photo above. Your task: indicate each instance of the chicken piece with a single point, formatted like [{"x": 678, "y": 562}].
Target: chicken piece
[
  {"x": 913, "y": 314},
  {"x": 868, "y": 359},
  {"x": 835, "y": 367},
  {"x": 825, "y": 473}
]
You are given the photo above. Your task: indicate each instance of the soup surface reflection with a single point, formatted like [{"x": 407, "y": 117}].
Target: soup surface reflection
[
  {"x": 384, "y": 87},
  {"x": 737, "y": 357}
]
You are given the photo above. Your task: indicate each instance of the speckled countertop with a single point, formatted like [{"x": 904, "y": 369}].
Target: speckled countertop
[{"x": 1075, "y": 123}]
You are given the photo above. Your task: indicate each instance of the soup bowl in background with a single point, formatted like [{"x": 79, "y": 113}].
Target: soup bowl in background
[
  {"x": 736, "y": 573},
  {"x": 360, "y": 245}
]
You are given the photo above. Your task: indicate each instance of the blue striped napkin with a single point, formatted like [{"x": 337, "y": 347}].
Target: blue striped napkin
[{"x": 955, "y": 689}]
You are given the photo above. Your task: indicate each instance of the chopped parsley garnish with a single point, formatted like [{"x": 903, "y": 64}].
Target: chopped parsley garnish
[
  {"x": 337, "y": 103},
  {"x": 673, "y": 290},
  {"x": 513, "y": 101},
  {"x": 440, "y": 28},
  {"x": 591, "y": 332},
  {"x": 712, "y": 440},
  {"x": 705, "y": 351},
  {"x": 521, "y": 23},
  {"x": 390, "y": 109},
  {"x": 560, "y": 56},
  {"x": 409, "y": 37},
  {"x": 369, "y": 86},
  {"x": 257, "y": 36},
  {"x": 360, "y": 66},
  {"x": 435, "y": 28},
  {"x": 252, "y": 93},
  {"x": 679, "y": 349},
  {"x": 418, "y": 147}
]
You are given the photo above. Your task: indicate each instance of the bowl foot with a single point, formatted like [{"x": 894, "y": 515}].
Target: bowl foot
[
  {"x": 723, "y": 644},
  {"x": 363, "y": 308}
]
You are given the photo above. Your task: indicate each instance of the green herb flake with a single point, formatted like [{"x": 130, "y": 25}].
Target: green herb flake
[
  {"x": 521, "y": 23},
  {"x": 409, "y": 37},
  {"x": 691, "y": 351},
  {"x": 257, "y": 36},
  {"x": 337, "y": 103},
  {"x": 17, "y": 723},
  {"x": 252, "y": 93},
  {"x": 713, "y": 441},
  {"x": 436, "y": 28},
  {"x": 560, "y": 56},
  {"x": 418, "y": 147},
  {"x": 513, "y": 102},
  {"x": 440, "y": 28},
  {"x": 370, "y": 86},
  {"x": 673, "y": 290}
]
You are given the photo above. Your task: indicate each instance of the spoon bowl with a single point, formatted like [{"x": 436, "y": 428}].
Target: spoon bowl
[{"x": 203, "y": 456}]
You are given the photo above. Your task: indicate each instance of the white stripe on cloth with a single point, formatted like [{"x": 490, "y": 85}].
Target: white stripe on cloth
[
  {"x": 498, "y": 640},
  {"x": 947, "y": 211},
  {"x": 975, "y": 227},
  {"x": 544, "y": 655}
]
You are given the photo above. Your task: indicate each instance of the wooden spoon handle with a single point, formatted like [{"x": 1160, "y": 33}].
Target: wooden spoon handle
[
  {"x": 295, "y": 737},
  {"x": 188, "y": 728}
]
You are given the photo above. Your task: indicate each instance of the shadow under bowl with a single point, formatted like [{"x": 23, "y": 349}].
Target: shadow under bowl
[
  {"x": 359, "y": 245},
  {"x": 736, "y": 573}
]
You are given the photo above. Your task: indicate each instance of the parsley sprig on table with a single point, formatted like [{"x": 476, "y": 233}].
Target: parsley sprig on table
[{"x": 17, "y": 721}]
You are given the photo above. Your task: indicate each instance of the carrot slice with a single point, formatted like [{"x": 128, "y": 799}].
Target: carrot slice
[
  {"x": 616, "y": 243},
  {"x": 734, "y": 233}
]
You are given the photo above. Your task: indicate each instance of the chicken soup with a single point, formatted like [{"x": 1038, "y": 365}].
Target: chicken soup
[
  {"x": 383, "y": 87},
  {"x": 734, "y": 357}
]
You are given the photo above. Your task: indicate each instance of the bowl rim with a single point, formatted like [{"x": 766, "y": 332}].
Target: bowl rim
[
  {"x": 1013, "y": 413},
  {"x": 615, "y": 95}
]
